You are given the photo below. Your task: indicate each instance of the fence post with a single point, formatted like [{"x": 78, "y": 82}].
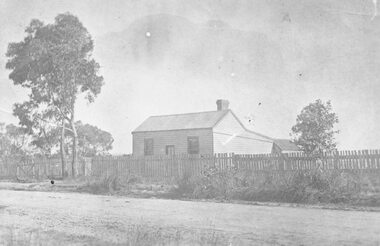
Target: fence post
[
  {"x": 335, "y": 157},
  {"x": 234, "y": 162},
  {"x": 281, "y": 162}
]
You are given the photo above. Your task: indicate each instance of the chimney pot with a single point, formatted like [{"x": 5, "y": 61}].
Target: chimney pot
[{"x": 222, "y": 104}]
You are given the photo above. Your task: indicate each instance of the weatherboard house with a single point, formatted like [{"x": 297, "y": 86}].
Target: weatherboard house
[{"x": 210, "y": 132}]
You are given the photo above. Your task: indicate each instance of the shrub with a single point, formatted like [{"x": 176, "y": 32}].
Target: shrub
[
  {"x": 216, "y": 183},
  {"x": 306, "y": 186},
  {"x": 184, "y": 187},
  {"x": 212, "y": 183}
]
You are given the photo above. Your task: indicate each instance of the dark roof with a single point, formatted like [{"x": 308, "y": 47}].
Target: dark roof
[
  {"x": 286, "y": 145},
  {"x": 199, "y": 120}
]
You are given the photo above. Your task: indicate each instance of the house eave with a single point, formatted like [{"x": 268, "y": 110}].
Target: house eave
[{"x": 182, "y": 129}]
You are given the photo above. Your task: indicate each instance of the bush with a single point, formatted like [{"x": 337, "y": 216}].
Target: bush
[
  {"x": 307, "y": 186},
  {"x": 213, "y": 183},
  {"x": 216, "y": 183},
  {"x": 184, "y": 187}
]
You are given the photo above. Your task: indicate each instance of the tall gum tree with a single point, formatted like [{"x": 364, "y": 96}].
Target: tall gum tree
[{"x": 55, "y": 62}]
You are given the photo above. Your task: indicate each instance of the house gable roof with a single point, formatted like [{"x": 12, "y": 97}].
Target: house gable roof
[
  {"x": 201, "y": 120},
  {"x": 248, "y": 130},
  {"x": 286, "y": 145}
]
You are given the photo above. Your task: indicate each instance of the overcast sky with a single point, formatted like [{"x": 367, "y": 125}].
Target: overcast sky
[{"x": 164, "y": 57}]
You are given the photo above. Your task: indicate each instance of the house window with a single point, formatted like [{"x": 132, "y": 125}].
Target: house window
[
  {"x": 192, "y": 145},
  {"x": 148, "y": 146},
  {"x": 170, "y": 150}
]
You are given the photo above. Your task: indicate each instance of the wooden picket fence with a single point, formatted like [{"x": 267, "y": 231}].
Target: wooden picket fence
[
  {"x": 32, "y": 168},
  {"x": 179, "y": 165},
  {"x": 183, "y": 164}
]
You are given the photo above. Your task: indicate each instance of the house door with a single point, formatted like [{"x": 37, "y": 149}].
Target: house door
[{"x": 170, "y": 150}]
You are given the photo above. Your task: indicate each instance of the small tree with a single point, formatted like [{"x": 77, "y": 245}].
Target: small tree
[
  {"x": 92, "y": 140},
  {"x": 314, "y": 129}
]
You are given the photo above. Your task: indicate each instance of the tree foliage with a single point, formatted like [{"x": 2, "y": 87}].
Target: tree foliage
[
  {"x": 14, "y": 140},
  {"x": 92, "y": 140},
  {"x": 47, "y": 140},
  {"x": 314, "y": 128},
  {"x": 54, "y": 61}
]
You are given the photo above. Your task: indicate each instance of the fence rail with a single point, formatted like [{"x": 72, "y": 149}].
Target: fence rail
[{"x": 178, "y": 165}]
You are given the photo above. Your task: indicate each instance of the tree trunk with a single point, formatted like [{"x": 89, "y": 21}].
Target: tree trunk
[
  {"x": 74, "y": 147},
  {"x": 62, "y": 150}
]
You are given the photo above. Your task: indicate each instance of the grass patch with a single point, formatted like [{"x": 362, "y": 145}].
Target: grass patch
[
  {"x": 132, "y": 185},
  {"x": 108, "y": 184}
]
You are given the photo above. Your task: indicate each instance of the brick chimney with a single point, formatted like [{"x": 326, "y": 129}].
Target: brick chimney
[{"x": 222, "y": 104}]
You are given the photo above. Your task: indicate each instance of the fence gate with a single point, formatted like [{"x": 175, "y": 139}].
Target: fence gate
[
  {"x": 24, "y": 168},
  {"x": 32, "y": 169}
]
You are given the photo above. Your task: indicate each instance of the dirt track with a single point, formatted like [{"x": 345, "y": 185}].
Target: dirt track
[{"x": 103, "y": 219}]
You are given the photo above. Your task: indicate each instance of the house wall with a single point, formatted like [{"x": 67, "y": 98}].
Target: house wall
[
  {"x": 178, "y": 138},
  {"x": 276, "y": 149},
  {"x": 230, "y": 137}
]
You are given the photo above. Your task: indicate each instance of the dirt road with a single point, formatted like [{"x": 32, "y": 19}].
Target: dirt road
[{"x": 95, "y": 219}]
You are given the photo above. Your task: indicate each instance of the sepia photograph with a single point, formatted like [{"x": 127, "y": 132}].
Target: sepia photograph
[{"x": 189, "y": 122}]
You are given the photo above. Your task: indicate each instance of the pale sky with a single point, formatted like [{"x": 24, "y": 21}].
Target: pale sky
[{"x": 164, "y": 57}]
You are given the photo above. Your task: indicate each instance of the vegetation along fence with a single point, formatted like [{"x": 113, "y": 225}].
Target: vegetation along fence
[{"x": 178, "y": 165}]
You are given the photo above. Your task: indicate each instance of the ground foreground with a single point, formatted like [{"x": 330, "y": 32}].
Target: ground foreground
[{"x": 50, "y": 218}]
